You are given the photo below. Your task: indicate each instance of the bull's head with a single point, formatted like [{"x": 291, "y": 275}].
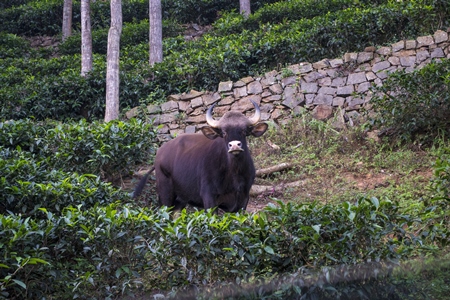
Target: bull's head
[{"x": 234, "y": 127}]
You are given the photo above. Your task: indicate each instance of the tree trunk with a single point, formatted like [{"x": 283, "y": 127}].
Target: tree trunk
[
  {"x": 155, "y": 33},
  {"x": 112, "y": 68},
  {"x": 86, "y": 38},
  {"x": 244, "y": 7},
  {"x": 67, "y": 20}
]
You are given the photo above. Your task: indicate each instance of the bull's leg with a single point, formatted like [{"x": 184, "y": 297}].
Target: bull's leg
[
  {"x": 164, "y": 188},
  {"x": 179, "y": 204},
  {"x": 233, "y": 202},
  {"x": 208, "y": 199}
]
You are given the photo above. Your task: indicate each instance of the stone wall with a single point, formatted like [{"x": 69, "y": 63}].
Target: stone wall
[{"x": 324, "y": 87}]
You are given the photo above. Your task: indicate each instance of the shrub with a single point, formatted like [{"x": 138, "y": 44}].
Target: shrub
[
  {"x": 109, "y": 150},
  {"x": 28, "y": 184},
  {"x": 33, "y": 18},
  {"x": 45, "y": 17},
  {"x": 87, "y": 253},
  {"x": 10, "y": 3},
  {"x": 194, "y": 11},
  {"x": 282, "y": 12},
  {"x": 415, "y": 106},
  {"x": 132, "y": 34},
  {"x": 441, "y": 181},
  {"x": 187, "y": 65},
  {"x": 105, "y": 251},
  {"x": 25, "y": 135},
  {"x": 54, "y": 89},
  {"x": 232, "y": 56},
  {"x": 12, "y": 46}
]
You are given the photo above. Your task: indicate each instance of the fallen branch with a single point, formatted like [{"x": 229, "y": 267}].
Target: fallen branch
[
  {"x": 273, "y": 169},
  {"x": 261, "y": 189}
]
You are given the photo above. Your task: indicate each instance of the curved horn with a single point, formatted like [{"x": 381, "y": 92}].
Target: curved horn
[
  {"x": 209, "y": 118},
  {"x": 257, "y": 116}
]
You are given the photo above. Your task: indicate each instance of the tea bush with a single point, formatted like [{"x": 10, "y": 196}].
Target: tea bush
[
  {"x": 33, "y": 18},
  {"x": 87, "y": 253},
  {"x": 105, "y": 251},
  {"x": 441, "y": 181},
  {"x": 36, "y": 18},
  {"x": 54, "y": 89},
  {"x": 187, "y": 65},
  {"x": 12, "y": 46},
  {"x": 415, "y": 106},
  {"x": 282, "y": 12},
  {"x": 132, "y": 34},
  {"x": 10, "y": 3},
  {"x": 28, "y": 184},
  {"x": 109, "y": 150},
  {"x": 232, "y": 56}
]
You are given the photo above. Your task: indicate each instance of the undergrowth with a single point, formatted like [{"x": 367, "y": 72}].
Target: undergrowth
[{"x": 333, "y": 166}]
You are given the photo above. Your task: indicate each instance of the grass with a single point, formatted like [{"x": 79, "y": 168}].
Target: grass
[{"x": 336, "y": 166}]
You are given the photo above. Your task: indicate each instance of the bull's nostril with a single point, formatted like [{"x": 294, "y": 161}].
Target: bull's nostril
[
  {"x": 235, "y": 147},
  {"x": 235, "y": 144}
]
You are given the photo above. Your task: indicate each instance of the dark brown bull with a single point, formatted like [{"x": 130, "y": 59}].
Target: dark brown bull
[{"x": 213, "y": 169}]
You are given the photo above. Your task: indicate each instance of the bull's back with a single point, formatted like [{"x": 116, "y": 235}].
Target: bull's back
[
  {"x": 184, "y": 148},
  {"x": 180, "y": 161}
]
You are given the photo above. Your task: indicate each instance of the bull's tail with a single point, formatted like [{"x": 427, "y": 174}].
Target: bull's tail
[{"x": 142, "y": 183}]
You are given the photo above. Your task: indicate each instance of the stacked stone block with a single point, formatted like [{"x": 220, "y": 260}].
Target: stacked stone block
[{"x": 323, "y": 87}]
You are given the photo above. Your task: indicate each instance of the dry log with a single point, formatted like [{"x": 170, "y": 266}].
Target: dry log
[
  {"x": 273, "y": 169},
  {"x": 261, "y": 189}
]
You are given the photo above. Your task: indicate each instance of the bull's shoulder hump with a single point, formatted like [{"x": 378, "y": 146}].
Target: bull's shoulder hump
[{"x": 187, "y": 140}]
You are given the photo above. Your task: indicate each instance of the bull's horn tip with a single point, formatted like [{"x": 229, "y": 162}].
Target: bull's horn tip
[
  {"x": 257, "y": 116},
  {"x": 209, "y": 118}
]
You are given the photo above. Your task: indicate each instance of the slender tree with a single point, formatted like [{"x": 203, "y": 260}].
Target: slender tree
[
  {"x": 86, "y": 38},
  {"x": 112, "y": 68},
  {"x": 155, "y": 32},
  {"x": 244, "y": 7},
  {"x": 67, "y": 19}
]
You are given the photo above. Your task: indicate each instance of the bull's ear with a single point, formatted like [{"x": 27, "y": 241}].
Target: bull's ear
[
  {"x": 211, "y": 133},
  {"x": 259, "y": 129}
]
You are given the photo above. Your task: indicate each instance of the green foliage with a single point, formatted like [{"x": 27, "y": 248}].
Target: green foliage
[
  {"x": 104, "y": 251},
  {"x": 282, "y": 12},
  {"x": 43, "y": 236},
  {"x": 187, "y": 65},
  {"x": 40, "y": 172},
  {"x": 33, "y": 18},
  {"x": 132, "y": 34},
  {"x": 415, "y": 106},
  {"x": 12, "y": 46},
  {"x": 108, "y": 149},
  {"x": 10, "y": 3},
  {"x": 45, "y": 17},
  {"x": 55, "y": 89},
  {"x": 441, "y": 181},
  {"x": 196, "y": 11},
  {"x": 88, "y": 253},
  {"x": 29, "y": 184}
]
